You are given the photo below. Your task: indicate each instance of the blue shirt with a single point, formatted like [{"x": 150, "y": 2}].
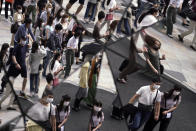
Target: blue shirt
[
  {"x": 23, "y": 32},
  {"x": 20, "y": 53}
]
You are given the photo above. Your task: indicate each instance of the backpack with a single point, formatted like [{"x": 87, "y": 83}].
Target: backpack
[{"x": 14, "y": 28}]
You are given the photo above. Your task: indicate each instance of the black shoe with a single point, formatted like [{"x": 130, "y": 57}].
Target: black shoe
[
  {"x": 11, "y": 108},
  {"x": 180, "y": 38},
  {"x": 184, "y": 24},
  {"x": 75, "y": 109},
  {"x": 116, "y": 117},
  {"x": 192, "y": 47},
  {"x": 22, "y": 94}
]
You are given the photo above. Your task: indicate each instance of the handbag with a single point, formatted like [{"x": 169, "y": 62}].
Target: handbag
[
  {"x": 55, "y": 81},
  {"x": 129, "y": 110},
  {"x": 14, "y": 28},
  {"x": 109, "y": 17}
]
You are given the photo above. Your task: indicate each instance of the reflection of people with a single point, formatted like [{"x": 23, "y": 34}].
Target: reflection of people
[
  {"x": 83, "y": 89},
  {"x": 149, "y": 98},
  {"x": 63, "y": 112},
  {"x": 44, "y": 113},
  {"x": 97, "y": 117},
  {"x": 153, "y": 66},
  {"x": 169, "y": 102}
]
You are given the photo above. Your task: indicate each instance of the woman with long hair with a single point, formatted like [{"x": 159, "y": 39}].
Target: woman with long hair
[
  {"x": 169, "y": 103},
  {"x": 97, "y": 117},
  {"x": 56, "y": 67},
  {"x": 58, "y": 16},
  {"x": 63, "y": 112}
]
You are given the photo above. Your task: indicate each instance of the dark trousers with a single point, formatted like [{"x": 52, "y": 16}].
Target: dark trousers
[
  {"x": 6, "y": 9},
  {"x": 171, "y": 19},
  {"x": 1, "y": 6},
  {"x": 32, "y": 9},
  {"x": 34, "y": 81},
  {"x": 139, "y": 119},
  {"x": 151, "y": 123},
  {"x": 46, "y": 61},
  {"x": 166, "y": 6},
  {"x": 77, "y": 102},
  {"x": 126, "y": 26},
  {"x": 90, "y": 7},
  {"x": 69, "y": 61},
  {"x": 77, "y": 54}
]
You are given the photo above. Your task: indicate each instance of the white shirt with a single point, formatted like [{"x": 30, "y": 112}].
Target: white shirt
[
  {"x": 176, "y": 3},
  {"x": 56, "y": 67},
  {"x": 147, "y": 96},
  {"x": 71, "y": 25},
  {"x": 96, "y": 120},
  {"x": 64, "y": 114},
  {"x": 148, "y": 20},
  {"x": 40, "y": 112},
  {"x": 73, "y": 43}
]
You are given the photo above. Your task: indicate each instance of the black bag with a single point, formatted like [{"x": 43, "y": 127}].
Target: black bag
[
  {"x": 14, "y": 28},
  {"x": 129, "y": 110},
  {"x": 123, "y": 65},
  {"x": 40, "y": 67}
]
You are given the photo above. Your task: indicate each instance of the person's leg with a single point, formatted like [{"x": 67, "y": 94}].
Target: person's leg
[
  {"x": 97, "y": 7},
  {"x": 6, "y": 10},
  {"x": 127, "y": 26},
  {"x": 119, "y": 26},
  {"x": 164, "y": 124},
  {"x": 36, "y": 82},
  {"x": 68, "y": 63},
  {"x": 32, "y": 83},
  {"x": 169, "y": 20},
  {"x": 145, "y": 117},
  {"x": 1, "y": 6},
  {"x": 33, "y": 14},
  {"x": 46, "y": 62},
  {"x": 166, "y": 7},
  {"x": 190, "y": 30},
  {"x": 150, "y": 124},
  {"x": 194, "y": 38},
  {"x": 87, "y": 10},
  {"x": 136, "y": 121},
  {"x": 93, "y": 12},
  {"x": 12, "y": 97},
  {"x": 79, "y": 9},
  {"x": 24, "y": 84}
]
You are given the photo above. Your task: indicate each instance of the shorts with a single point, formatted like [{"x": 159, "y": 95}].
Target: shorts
[
  {"x": 73, "y": 1},
  {"x": 12, "y": 71}
]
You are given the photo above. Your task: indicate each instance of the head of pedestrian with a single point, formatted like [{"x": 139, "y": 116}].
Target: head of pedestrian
[
  {"x": 49, "y": 7},
  {"x": 64, "y": 18},
  {"x": 58, "y": 28},
  {"x": 65, "y": 102},
  {"x": 4, "y": 50},
  {"x": 156, "y": 84},
  {"x": 35, "y": 47},
  {"x": 23, "y": 41},
  {"x": 19, "y": 9},
  {"x": 77, "y": 33},
  {"x": 101, "y": 16},
  {"x": 28, "y": 22},
  {"x": 47, "y": 97},
  {"x": 49, "y": 79},
  {"x": 97, "y": 107},
  {"x": 174, "y": 93},
  {"x": 152, "y": 42}
]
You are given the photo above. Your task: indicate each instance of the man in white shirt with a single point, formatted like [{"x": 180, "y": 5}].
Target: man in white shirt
[
  {"x": 72, "y": 47},
  {"x": 149, "y": 98},
  {"x": 174, "y": 5}
]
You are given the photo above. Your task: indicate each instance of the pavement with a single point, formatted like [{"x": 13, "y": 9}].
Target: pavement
[{"x": 179, "y": 65}]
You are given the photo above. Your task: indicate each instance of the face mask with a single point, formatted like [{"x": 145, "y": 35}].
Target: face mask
[
  {"x": 62, "y": 13},
  {"x": 20, "y": 11},
  {"x": 156, "y": 86},
  {"x": 97, "y": 108},
  {"x": 50, "y": 100},
  {"x": 176, "y": 93},
  {"x": 23, "y": 42},
  {"x": 49, "y": 9},
  {"x": 66, "y": 103}
]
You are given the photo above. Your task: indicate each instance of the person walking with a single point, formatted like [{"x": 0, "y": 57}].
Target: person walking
[
  {"x": 174, "y": 5},
  {"x": 170, "y": 101},
  {"x": 9, "y": 3},
  {"x": 96, "y": 118},
  {"x": 83, "y": 89},
  {"x": 70, "y": 4},
  {"x": 32, "y": 9},
  {"x": 192, "y": 27},
  {"x": 149, "y": 98},
  {"x": 91, "y": 6},
  {"x": 63, "y": 112}
]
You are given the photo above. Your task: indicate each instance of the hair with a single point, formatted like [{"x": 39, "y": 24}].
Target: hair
[
  {"x": 58, "y": 27},
  {"x": 39, "y": 23},
  {"x": 98, "y": 104},
  {"x": 19, "y": 7},
  {"x": 35, "y": 47},
  {"x": 77, "y": 33},
  {"x": 49, "y": 78},
  {"x": 4, "y": 48},
  {"x": 156, "y": 80},
  {"x": 50, "y": 20},
  {"x": 151, "y": 11},
  {"x": 101, "y": 15},
  {"x": 58, "y": 14},
  {"x": 27, "y": 20},
  {"x": 56, "y": 56},
  {"x": 63, "y": 99},
  {"x": 169, "y": 94},
  {"x": 150, "y": 40},
  {"x": 108, "y": 2}
]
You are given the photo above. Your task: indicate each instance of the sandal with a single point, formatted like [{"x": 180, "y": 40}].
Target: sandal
[{"x": 121, "y": 80}]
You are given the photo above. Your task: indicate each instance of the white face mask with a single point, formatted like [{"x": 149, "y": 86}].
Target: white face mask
[
  {"x": 49, "y": 9},
  {"x": 23, "y": 42},
  {"x": 50, "y": 100},
  {"x": 176, "y": 93},
  {"x": 97, "y": 108},
  {"x": 66, "y": 103},
  {"x": 62, "y": 13},
  {"x": 20, "y": 11},
  {"x": 156, "y": 86}
]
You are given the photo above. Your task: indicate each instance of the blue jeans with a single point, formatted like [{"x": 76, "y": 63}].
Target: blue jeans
[
  {"x": 88, "y": 8},
  {"x": 139, "y": 119},
  {"x": 34, "y": 81},
  {"x": 126, "y": 26},
  {"x": 46, "y": 61},
  {"x": 143, "y": 6}
]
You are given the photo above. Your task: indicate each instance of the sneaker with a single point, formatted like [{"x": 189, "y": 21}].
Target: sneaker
[
  {"x": 192, "y": 47},
  {"x": 184, "y": 24},
  {"x": 123, "y": 81},
  {"x": 180, "y": 38},
  {"x": 22, "y": 94},
  {"x": 86, "y": 20},
  {"x": 169, "y": 35}
]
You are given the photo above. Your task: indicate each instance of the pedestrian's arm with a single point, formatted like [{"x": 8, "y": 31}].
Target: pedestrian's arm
[
  {"x": 157, "y": 110},
  {"x": 32, "y": 36},
  {"x": 62, "y": 123},
  {"x": 98, "y": 126},
  {"x": 53, "y": 123},
  {"x": 151, "y": 66},
  {"x": 131, "y": 101}
]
